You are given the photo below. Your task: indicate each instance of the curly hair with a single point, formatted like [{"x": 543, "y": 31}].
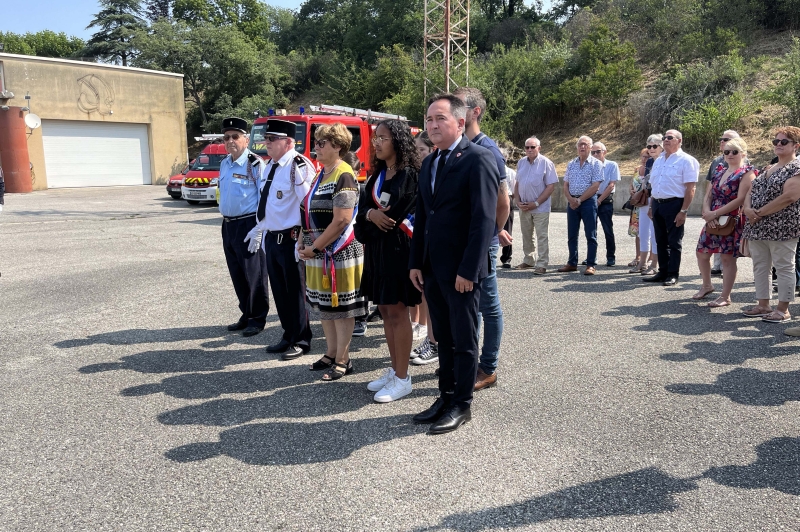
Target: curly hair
[
  {"x": 790, "y": 132},
  {"x": 403, "y": 144}
]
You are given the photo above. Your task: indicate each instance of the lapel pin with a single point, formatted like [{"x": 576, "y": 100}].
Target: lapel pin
[{"x": 458, "y": 155}]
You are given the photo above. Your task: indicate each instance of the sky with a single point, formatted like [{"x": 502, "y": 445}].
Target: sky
[{"x": 72, "y": 16}]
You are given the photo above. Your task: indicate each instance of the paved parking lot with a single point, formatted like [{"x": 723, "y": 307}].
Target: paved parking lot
[{"x": 126, "y": 405}]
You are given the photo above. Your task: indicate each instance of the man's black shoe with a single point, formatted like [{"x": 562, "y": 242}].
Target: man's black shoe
[
  {"x": 280, "y": 347},
  {"x": 654, "y": 279},
  {"x": 451, "y": 420},
  {"x": 238, "y": 326},
  {"x": 252, "y": 331},
  {"x": 583, "y": 263},
  {"x": 716, "y": 272},
  {"x": 506, "y": 265},
  {"x": 433, "y": 414},
  {"x": 611, "y": 263},
  {"x": 671, "y": 281},
  {"x": 293, "y": 352}
]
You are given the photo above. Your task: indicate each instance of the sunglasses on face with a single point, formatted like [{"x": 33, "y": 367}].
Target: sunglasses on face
[
  {"x": 724, "y": 139},
  {"x": 731, "y": 152},
  {"x": 595, "y": 152},
  {"x": 782, "y": 142},
  {"x": 670, "y": 137},
  {"x": 273, "y": 138},
  {"x": 320, "y": 143},
  {"x": 652, "y": 146},
  {"x": 531, "y": 147},
  {"x": 234, "y": 136}
]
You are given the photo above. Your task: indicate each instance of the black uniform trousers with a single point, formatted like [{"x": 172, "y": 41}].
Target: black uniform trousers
[
  {"x": 454, "y": 317},
  {"x": 505, "y": 255},
  {"x": 248, "y": 271},
  {"x": 288, "y": 285},
  {"x": 669, "y": 237}
]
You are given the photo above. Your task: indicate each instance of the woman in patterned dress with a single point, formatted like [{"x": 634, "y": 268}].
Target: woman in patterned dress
[
  {"x": 773, "y": 225},
  {"x": 724, "y": 196},
  {"x": 334, "y": 259},
  {"x": 633, "y": 223}
]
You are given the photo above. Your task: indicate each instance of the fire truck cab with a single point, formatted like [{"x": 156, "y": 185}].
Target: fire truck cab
[
  {"x": 360, "y": 123},
  {"x": 200, "y": 182}
]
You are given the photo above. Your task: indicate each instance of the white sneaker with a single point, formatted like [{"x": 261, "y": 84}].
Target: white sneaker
[
  {"x": 420, "y": 331},
  {"x": 381, "y": 381},
  {"x": 421, "y": 348},
  {"x": 394, "y": 390}
]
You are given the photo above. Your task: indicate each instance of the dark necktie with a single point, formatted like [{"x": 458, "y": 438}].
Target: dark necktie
[
  {"x": 440, "y": 165},
  {"x": 262, "y": 202}
]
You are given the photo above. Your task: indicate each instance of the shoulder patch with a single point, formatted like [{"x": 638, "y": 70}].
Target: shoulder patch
[
  {"x": 300, "y": 160},
  {"x": 254, "y": 159}
]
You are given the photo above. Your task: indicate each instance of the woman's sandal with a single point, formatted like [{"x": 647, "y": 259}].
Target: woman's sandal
[
  {"x": 756, "y": 312},
  {"x": 636, "y": 269},
  {"x": 634, "y": 262},
  {"x": 719, "y": 302},
  {"x": 703, "y": 292},
  {"x": 320, "y": 364},
  {"x": 649, "y": 271},
  {"x": 776, "y": 316},
  {"x": 338, "y": 371}
]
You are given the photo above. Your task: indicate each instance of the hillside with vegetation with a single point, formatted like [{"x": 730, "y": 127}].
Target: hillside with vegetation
[{"x": 614, "y": 69}]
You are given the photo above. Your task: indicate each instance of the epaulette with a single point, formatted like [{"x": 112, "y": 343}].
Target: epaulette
[
  {"x": 254, "y": 159},
  {"x": 300, "y": 160}
]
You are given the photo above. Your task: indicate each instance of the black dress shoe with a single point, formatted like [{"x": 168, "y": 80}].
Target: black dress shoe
[
  {"x": 280, "y": 347},
  {"x": 238, "y": 326},
  {"x": 583, "y": 263},
  {"x": 293, "y": 352},
  {"x": 654, "y": 279},
  {"x": 252, "y": 331},
  {"x": 451, "y": 420},
  {"x": 671, "y": 281},
  {"x": 433, "y": 414}
]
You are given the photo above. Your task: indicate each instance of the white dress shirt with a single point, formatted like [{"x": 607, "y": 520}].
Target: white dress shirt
[
  {"x": 532, "y": 178},
  {"x": 435, "y": 162},
  {"x": 283, "y": 203},
  {"x": 670, "y": 174}
]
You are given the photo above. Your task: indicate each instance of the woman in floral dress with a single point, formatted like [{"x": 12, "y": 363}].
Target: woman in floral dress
[{"x": 724, "y": 196}]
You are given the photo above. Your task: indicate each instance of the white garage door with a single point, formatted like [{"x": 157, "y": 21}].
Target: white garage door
[{"x": 95, "y": 154}]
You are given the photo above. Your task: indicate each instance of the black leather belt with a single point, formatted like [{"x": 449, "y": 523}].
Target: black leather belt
[
  {"x": 666, "y": 200},
  {"x": 234, "y": 218},
  {"x": 292, "y": 233}
]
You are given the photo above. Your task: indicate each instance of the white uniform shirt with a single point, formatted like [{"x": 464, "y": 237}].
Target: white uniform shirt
[
  {"x": 283, "y": 203},
  {"x": 669, "y": 175}
]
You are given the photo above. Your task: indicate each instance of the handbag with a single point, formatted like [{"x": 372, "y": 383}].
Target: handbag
[
  {"x": 725, "y": 226},
  {"x": 627, "y": 206},
  {"x": 640, "y": 198},
  {"x": 744, "y": 248}
]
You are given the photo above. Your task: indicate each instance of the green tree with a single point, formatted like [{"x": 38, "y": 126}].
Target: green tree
[
  {"x": 118, "y": 21},
  {"x": 158, "y": 9},
  {"x": 220, "y": 65},
  {"x": 787, "y": 91},
  {"x": 44, "y": 43}
]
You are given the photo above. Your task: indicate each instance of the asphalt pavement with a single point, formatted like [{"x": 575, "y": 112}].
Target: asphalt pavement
[{"x": 127, "y": 405}]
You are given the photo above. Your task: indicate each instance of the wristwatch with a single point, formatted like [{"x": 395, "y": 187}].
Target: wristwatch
[
  {"x": 315, "y": 250},
  {"x": 536, "y": 203},
  {"x": 684, "y": 211}
]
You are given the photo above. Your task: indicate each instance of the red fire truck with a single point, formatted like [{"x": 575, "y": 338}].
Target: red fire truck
[{"x": 360, "y": 123}]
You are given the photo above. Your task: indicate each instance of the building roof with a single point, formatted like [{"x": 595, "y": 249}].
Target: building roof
[{"x": 86, "y": 64}]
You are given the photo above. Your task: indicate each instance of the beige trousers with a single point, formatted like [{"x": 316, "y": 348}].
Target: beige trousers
[
  {"x": 778, "y": 253},
  {"x": 540, "y": 223}
]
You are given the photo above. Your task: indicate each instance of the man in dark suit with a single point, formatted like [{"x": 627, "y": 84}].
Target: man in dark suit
[{"x": 454, "y": 224}]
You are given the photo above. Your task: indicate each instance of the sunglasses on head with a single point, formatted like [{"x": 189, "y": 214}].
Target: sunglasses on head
[
  {"x": 234, "y": 136},
  {"x": 652, "y": 146},
  {"x": 730, "y": 152},
  {"x": 782, "y": 142},
  {"x": 670, "y": 137},
  {"x": 724, "y": 139},
  {"x": 320, "y": 143}
]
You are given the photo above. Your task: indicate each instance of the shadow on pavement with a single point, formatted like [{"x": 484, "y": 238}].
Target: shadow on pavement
[
  {"x": 734, "y": 351},
  {"x": 149, "y": 336},
  {"x": 287, "y": 443},
  {"x": 294, "y": 400},
  {"x": 181, "y": 360},
  {"x": 647, "y": 491},
  {"x": 748, "y": 387},
  {"x": 777, "y": 467}
]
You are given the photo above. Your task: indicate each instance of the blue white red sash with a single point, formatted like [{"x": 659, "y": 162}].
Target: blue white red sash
[{"x": 407, "y": 226}]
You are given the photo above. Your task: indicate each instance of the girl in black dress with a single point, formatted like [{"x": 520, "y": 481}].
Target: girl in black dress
[{"x": 384, "y": 225}]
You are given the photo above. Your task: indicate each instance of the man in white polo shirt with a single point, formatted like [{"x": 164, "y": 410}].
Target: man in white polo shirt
[{"x": 673, "y": 180}]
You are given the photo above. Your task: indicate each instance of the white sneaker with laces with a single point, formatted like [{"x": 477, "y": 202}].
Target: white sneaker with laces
[
  {"x": 421, "y": 348},
  {"x": 381, "y": 381},
  {"x": 394, "y": 390}
]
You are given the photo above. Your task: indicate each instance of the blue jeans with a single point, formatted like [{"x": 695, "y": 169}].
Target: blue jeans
[
  {"x": 491, "y": 316},
  {"x": 605, "y": 213},
  {"x": 586, "y": 213}
]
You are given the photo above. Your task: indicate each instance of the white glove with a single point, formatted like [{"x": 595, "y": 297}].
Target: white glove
[
  {"x": 254, "y": 237},
  {"x": 296, "y": 252},
  {"x": 1, "y": 207}
]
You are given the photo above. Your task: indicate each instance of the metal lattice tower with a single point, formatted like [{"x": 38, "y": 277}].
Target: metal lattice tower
[{"x": 447, "y": 44}]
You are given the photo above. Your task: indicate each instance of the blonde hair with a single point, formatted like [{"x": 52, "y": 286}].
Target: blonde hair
[
  {"x": 336, "y": 134},
  {"x": 736, "y": 143}
]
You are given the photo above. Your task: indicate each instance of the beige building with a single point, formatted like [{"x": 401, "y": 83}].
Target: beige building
[{"x": 101, "y": 125}]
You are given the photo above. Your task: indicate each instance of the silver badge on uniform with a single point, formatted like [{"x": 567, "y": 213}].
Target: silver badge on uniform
[{"x": 280, "y": 194}]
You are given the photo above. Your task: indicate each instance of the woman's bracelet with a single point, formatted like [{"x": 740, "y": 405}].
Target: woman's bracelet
[{"x": 367, "y": 215}]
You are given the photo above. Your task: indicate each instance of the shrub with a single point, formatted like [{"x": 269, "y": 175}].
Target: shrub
[{"x": 702, "y": 124}]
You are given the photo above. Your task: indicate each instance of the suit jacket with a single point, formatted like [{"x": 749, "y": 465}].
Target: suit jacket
[{"x": 454, "y": 224}]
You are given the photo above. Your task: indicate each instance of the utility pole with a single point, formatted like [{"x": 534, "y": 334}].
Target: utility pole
[{"x": 446, "y": 43}]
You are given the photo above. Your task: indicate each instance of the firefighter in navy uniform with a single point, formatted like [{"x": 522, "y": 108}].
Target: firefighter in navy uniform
[
  {"x": 287, "y": 179},
  {"x": 239, "y": 175}
]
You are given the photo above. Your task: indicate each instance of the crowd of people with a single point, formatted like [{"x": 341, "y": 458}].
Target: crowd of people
[{"x": 423, "y": 238}]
